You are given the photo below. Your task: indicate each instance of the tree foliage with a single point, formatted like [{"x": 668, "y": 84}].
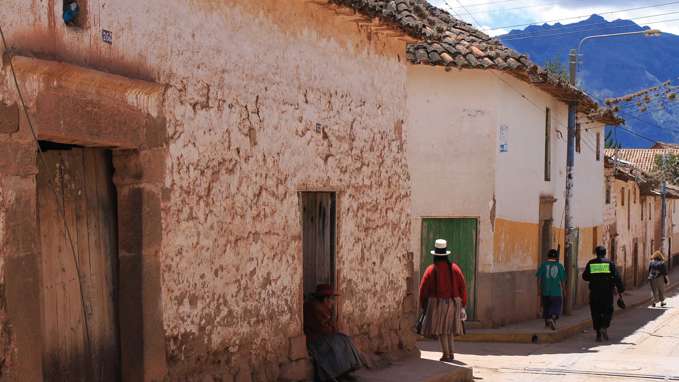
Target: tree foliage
[
  {"x": 667, "y": 167},
  {"x": 611, "y": 142},
  {"x": 556, "y": 67}
]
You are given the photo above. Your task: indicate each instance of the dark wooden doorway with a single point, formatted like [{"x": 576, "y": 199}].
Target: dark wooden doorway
[
  {"x": 78, "y": 236},
  {"x": 318, "y": 235},
  {"x": 635, "y": 265}
]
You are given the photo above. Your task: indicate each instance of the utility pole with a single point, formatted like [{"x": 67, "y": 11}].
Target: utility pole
[
  {"x": 663, "y": 208},
  {"x": 571, "y": 255}
]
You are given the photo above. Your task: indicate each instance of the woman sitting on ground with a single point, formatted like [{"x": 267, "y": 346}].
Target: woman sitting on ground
[{"x": 333, "y": 353}]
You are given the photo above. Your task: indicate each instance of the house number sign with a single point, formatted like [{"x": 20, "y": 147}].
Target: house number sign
[{"x": 107, "y": 36}]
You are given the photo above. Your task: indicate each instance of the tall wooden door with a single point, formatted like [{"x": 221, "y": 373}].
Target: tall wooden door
[
  {"x": 78, "y": 275},
  {"x": 319, "y": 220},
  {"x": 461, "y": 235},
  {"x": 635, "y": 264}
]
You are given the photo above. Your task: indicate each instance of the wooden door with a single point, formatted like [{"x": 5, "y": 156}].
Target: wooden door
[
  {"x": 319, "y": 221},
  {"x": 75, "y": 191},
  {"x": 635, "y": 265},
  {"x": 461, "y": 235}
]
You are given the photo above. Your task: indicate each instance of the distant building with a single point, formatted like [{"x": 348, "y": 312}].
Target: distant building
[{"x": 633, "y": 212}]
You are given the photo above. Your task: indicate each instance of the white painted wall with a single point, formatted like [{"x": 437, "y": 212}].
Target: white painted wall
[
  {"x": 520, "y": 171},
  {"x": 457, "y": 169},
  {"x": 589, "y": 188},
  {"x": 451, "y": 149}
]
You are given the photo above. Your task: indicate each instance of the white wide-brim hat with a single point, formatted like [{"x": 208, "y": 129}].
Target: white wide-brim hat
[{"x": 440, "y": 248}]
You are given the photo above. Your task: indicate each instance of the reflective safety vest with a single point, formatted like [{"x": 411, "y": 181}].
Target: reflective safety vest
[{"x": 599, "y": 268}]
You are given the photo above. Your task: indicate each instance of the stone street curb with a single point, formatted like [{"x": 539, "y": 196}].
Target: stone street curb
[{"x": 542, "y": 337}]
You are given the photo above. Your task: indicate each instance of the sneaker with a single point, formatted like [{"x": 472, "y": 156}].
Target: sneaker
[
  {"x": 663, "y": 304},
  {"x": 552, "y": 324},
  {"x": 653, "y": 305},
  {"x": 604, "y": 333}
]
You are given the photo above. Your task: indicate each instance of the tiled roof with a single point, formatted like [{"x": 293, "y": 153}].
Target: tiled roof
[
  {"x": 643, "y": 159},
  {"x": 663, "y": 145},
  {"x": 443, "y": 40}
]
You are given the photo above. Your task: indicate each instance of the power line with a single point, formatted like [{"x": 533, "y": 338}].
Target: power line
[
  {"x": 518, "y": 91},
  {"x": 572, "y": 29},
  {"x": 632, "y": 132},
  {"x": 487, "y": 3},
  {"x": 583, "y": 16}
]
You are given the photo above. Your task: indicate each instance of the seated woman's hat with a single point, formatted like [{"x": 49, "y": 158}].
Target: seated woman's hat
[{"x": 440, "y": 248}]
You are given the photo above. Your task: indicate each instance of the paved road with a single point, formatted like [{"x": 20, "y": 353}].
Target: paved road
[{"x": 644, "y": 346}]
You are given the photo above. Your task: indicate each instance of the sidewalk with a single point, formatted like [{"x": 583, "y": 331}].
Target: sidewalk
[
  {"x": 417, "y": 370},
  {"x": 534, "y": 331}
]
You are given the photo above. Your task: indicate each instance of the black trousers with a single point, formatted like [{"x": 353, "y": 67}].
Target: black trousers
[{"x": 601, "y": 306}]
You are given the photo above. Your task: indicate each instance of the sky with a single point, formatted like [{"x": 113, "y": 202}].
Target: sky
[{"x": 496, "y": 17}]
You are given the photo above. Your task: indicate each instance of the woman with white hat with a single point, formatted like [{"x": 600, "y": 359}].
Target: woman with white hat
[{"x": 443, "y": 286}]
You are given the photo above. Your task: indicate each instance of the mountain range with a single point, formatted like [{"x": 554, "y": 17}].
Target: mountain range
[{"x": 613, "y": 67}]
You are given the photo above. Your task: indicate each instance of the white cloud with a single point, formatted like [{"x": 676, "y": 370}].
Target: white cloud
[{"x": 491, "y": 14}]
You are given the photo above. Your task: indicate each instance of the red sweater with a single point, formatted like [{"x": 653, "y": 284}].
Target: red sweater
[{"x": 446, "y": 288}]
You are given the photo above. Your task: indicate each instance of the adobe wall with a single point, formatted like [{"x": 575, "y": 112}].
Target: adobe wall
[{"x": 263, "y": 100}]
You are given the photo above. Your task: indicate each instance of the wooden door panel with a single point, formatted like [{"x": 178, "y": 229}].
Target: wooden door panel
[
  {"x": 461, "y": 235},
  {"x": 318, "y": 211},
  {"x": 85, "y": 202}
]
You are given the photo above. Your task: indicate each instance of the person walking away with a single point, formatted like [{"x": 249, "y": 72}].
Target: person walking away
[
  {"x": 333, "y": 353},
  {"x": 551, "y": 276},
  {"x": 603, "y": 280},
  {"x": 657, "y": 277},
  {"x": 443, "y": 297}
]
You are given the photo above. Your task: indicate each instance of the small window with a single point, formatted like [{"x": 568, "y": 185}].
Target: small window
[
  {"x": 548, "y": 145},
  {"x": 622, "y": 197},
  {"x": 608, "y": 192},
  {"x": 578, "y": 136},
  {"x": 598, "y": 146},
  {"x": 634, "y": 192}
]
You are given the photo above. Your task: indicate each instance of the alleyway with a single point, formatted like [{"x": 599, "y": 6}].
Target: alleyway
[{"x": 644, "y": 346}]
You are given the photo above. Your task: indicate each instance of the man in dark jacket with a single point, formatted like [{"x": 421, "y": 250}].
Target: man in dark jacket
[{"x": 603, "y": 278}]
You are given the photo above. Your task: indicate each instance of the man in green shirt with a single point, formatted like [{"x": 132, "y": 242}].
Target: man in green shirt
[{"x": 551, "y": 275}]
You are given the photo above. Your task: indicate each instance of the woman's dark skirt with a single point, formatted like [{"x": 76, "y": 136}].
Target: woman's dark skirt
[{"x": 334, "y": 356}]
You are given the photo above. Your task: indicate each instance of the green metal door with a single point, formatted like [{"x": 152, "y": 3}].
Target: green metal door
[{"x": 461, "y": 236}]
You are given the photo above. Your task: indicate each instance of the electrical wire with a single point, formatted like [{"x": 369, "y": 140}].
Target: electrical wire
[
  {"x": 488, "y": 3},
  {"x": 583, "y": 16},
  {"x": 60, "y": 211}
]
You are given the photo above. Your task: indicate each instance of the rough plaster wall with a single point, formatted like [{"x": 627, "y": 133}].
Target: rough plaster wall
[
  {"x": 243, "y": 141},
  {"x": 248, "y": 82}
]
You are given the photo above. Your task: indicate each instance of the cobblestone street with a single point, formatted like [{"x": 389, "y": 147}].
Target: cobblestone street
[{"x": 644, "y": 346}]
